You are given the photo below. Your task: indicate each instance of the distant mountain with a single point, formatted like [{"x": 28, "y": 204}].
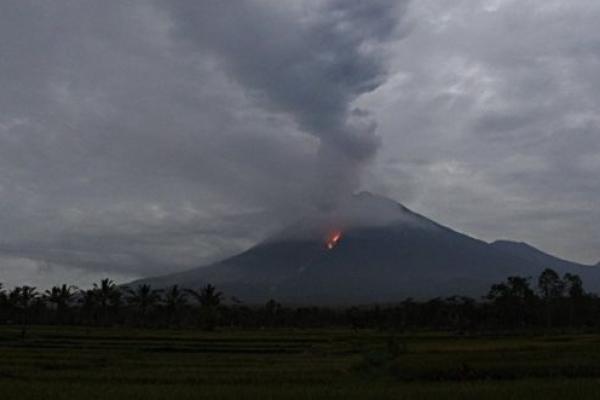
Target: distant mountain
[
  {"x": 385, "y": 252},
  {"x": 533, "y": 255},
  {"x": 589, "y": 273}
]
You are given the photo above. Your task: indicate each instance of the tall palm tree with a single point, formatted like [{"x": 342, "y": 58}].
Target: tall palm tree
[
  {"x": 174, "y": 300},
  {"x": 107, "y": 295},
  {"x": 105, "y": 292},
  {"x": 208, "y": 296},
  {"x": 21, "y": 298},
  {"x": 61, "y": 297},
  {"x": 88, "y": 301},
  {"x": 144, "y": 298},
  {"x": 209, "y": 299}
]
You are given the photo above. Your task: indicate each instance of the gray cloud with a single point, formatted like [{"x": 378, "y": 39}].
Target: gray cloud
[
  {"x": 138, "y": 137},
  {"x": 497, "y": 105}
]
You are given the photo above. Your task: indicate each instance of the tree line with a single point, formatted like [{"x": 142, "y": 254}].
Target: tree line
[{"x": 551, "y": 302}]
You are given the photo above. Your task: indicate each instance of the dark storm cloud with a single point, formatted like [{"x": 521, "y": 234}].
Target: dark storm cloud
[{"x": 145, "y": 137}]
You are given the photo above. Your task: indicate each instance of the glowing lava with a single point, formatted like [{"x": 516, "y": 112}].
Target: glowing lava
[{"x": 333, "y": 239}]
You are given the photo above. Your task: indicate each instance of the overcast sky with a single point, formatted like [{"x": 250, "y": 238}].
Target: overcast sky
[{"x": 141, "y": 137}]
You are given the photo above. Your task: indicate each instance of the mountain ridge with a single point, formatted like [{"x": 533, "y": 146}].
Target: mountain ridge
[
  {"x": 386, "y": 252},
  {"x": 529, "y": 251}
]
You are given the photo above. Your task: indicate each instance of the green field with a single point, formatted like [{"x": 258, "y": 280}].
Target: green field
[{"x": 68, "y": 363}]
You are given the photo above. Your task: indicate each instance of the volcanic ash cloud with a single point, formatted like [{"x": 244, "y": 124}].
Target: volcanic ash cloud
[{"x": 306, "y": 59}]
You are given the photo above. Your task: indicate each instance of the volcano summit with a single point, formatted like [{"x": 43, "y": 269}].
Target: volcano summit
[{"x": 370, "y": 249}]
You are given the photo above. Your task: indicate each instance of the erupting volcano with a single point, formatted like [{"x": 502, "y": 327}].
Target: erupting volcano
[
  {"x": 389, "y": 253},
  {"x": 333, "y": 239}
]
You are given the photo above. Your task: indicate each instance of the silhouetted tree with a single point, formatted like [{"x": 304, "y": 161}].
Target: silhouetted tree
[
  {"x": 22, "y": 298},
  {"x": 143, "y": 298},
  {"x": 573, "y": 286},
  {"x": 551, "y": 288},
  {"x": 550, "y": 285},
  {"x": 108, "y": 298},
  {"x": 461, "y": 312},
  {"x": 174, "y": 300},
  {"x": 511, "y": 304},
  {"x": 209, "y": 299},
  {"x": 61, "y": 297},
  {"x": 513, "y": 301},
  {"x": 88, "y": 301},
  {"x": 272, "y": 311},
  {"x": 576, "y": 298}
]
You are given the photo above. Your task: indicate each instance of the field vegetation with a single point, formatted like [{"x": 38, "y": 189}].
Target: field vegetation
[
  {"x": 117, "y": 363},
  {"x": 109, "y": 342}
]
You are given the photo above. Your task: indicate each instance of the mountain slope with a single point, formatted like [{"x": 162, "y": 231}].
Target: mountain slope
[
  {"x": 531, "y": 254},
  {"x": 590, "y": 274},
  {"x": 386, "y": 253}
]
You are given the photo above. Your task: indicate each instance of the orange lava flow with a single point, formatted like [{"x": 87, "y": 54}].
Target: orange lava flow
[{"x": 333, "y": 239}]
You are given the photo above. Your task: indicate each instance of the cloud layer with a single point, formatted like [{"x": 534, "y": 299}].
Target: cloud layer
[{"x": 138, "y": 138}]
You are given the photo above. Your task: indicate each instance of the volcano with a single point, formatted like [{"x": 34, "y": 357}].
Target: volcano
[{"x": 370, "y": 249}]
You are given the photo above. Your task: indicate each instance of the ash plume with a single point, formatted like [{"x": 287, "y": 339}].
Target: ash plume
[{"x": 310, "y": 61}]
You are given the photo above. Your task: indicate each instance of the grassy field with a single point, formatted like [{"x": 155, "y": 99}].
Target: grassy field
[{"x": 68, "y": 363}]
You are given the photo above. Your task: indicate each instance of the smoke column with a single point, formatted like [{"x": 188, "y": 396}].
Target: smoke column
[{"x": 307, "y": 59}]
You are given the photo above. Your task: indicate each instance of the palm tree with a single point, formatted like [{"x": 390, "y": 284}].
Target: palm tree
[
  {"x": 61, "y": 297},
  {"x": 174, "y": 300},
  {"x": 104, "y": 291},
  {"x": 209, "y": 300},
  {"x": 208, "y": 296},
  {"x": 143, "y": 298},
  {"x": 107, "y": 295},
  {"x": 88, "y": 301},
  {"x": 21, "y": 298}
]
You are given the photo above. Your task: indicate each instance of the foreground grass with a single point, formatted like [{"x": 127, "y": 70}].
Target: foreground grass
[{"x": 65, "y": 363}]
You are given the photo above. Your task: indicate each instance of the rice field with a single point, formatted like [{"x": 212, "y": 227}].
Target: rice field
[{"x": 67, "y": 363}]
